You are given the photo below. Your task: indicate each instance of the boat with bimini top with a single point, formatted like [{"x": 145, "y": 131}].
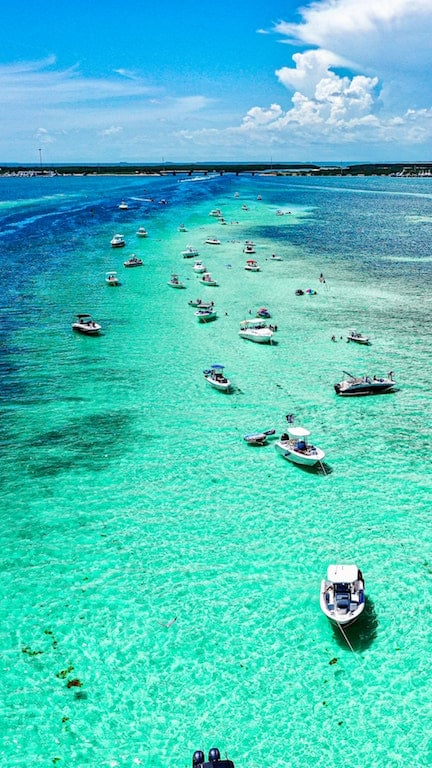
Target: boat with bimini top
[
  {"x": 215, "y": 377},
  {"x": 207, "y": 279},
  {"x": 342, "y": 594},
  {"x": 294, "y": 446},
  {"x": 256, "y": 330},
  {"x": 175, "y": 282}
]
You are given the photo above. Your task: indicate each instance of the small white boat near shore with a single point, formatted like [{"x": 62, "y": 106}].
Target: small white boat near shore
[
  {"x": 342, "y": 594},
  {"x": 294, "y": 446},
  {"x": 118, "y": 241},
  {"x": 123, "y": 205},
  {"x": 207, "y": 279},
  {"x": 215, "y": 377},
  {"x": 213, "y": 241},
  {"x": 199, "y": 267},
  {"x": 190, "y": 252},
  {"x": 175, "y": 282},
  {"x": 358, "y": 338},
  {"x": 112, "y": 278},
  {"x": 256, "y": 330},
  {"x": 252, "y": 266},
  {"x": 85, "y": 324},
  {"x": 133, "y": 261},
  {"x": 142, "y": 232},
  {"x": 205, "y": 314}
]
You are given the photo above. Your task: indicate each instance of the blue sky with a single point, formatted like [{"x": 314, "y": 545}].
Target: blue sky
[{"x": 184, "y": 80}]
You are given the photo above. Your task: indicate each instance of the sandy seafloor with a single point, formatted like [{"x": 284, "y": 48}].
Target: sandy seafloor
[{"x": 148, "y": 554}]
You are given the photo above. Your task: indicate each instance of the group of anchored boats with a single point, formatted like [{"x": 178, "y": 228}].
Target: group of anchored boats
[{"x": 342, "y": 592}]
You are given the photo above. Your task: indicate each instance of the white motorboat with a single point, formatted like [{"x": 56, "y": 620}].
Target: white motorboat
[
  {"x": 142, "y": 232},
  {"x": 258, "y": 438},
  {"x": 118, "y": 241},
  {"x": 215, "y": 377},
  {"x": 259, "y": 197},
  {"x": 205, "y": 314},
  {"x": 123, "y": 206},
  {"x": 236, "y": 194},
  {"x": 182, "y": 228},
  {"x": 199, "y": 267},
  {"x": 359, "y": 338},
  {"x": 249, "y": 248},
  {"x": 244, "y": 207},
  {"x": 216, "y": 212},
  {"x": 294, "y": 446},
  {"x": 364, "y": 385},
  {"x": 200, "y": 303},
  {"x": 174, "y": 282},
  {"x": 252, "y": 266},
  {"x": 207, "y": 279},
  {"x": 189, "y": 252},
  {"x": 84, "y": 323},
  {"x": 213, "y": 241},
  {"x": 342, "y": 594},
  {"x": 133, "y": 261},
  {"x": 112, "y": 278},
  {"x": 256, "y": 330},
  {"x": 275, "y": 257}
]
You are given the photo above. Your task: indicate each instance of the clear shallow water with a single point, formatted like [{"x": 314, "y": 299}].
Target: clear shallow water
[{"x": 129, "y": 498}]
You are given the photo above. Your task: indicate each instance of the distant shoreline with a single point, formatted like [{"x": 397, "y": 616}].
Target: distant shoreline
[{"x": 239, "y": 169}]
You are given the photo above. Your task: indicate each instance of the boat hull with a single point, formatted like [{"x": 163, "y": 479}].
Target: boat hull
[
  {"x": 258, "y": 339},
  {"x": 297, "y": 457},
  {"x": 361, "y": 389},
  {"x": 86, "y": 331},
  {"x": 221, "y": 386}
]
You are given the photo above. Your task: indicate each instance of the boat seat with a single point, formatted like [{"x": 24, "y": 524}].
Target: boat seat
[{"x": 343, "y": 602}]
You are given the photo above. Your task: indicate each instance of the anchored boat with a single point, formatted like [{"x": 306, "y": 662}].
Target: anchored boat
[
  {"x": 342, "y": 597},
  {"x": 353, "y": 386}
]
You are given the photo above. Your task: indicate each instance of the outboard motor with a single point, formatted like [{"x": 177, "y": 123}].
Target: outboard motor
[
  {"x": 214, "y": 755},
  {"x": 198, "y": 759}
]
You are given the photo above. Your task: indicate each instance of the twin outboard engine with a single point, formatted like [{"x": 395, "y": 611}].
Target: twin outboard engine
[{"x": 214, "y": 760}]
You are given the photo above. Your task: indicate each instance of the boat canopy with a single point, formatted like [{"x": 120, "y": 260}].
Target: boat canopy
[
  {"x": 217, "y": 367},
  {"x": 253, "y": 323},
  {"x": 298, "y": 432},
  {"x": 342, "y": 574}
]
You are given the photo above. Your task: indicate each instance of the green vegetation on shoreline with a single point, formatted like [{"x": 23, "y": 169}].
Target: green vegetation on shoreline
[{"x": 189, "y": 169}]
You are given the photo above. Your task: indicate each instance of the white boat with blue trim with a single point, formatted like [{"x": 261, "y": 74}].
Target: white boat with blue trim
[
  {"x": 216, "y": 378},
  {"x": 294, "y": 446},
  {"x": 342, "y": 594}
]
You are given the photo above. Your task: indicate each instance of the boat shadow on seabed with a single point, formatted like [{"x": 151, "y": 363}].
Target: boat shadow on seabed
[{"x": 361, "y": 634}]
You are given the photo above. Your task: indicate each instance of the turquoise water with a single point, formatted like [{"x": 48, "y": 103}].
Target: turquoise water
[{"x": 152, "y": 556}]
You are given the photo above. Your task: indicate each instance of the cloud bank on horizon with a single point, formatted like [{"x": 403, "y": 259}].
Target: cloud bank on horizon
[{"x": 355, "y": 87}]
